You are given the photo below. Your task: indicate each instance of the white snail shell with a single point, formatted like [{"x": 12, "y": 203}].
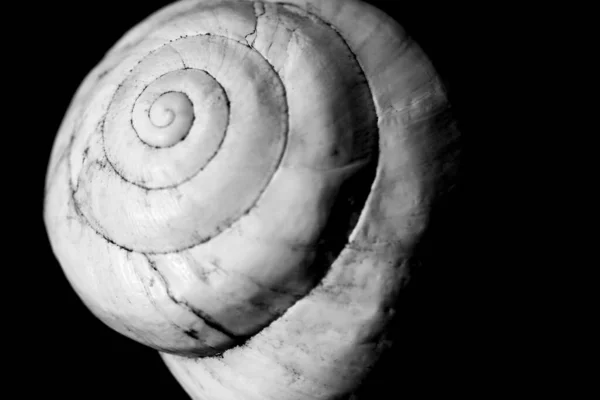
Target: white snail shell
[{"x": 240, "y": 185}]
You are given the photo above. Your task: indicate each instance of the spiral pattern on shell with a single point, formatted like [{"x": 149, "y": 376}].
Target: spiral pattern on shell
[{"x": 243, "y": 182}]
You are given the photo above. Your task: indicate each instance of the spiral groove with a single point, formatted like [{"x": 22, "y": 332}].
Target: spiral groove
[{"x": 169, "y": 179}]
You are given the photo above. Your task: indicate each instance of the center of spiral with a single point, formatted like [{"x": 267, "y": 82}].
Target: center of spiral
[
  {"x": 161, "y": 116},
  {"x": 171, "y": 116}
]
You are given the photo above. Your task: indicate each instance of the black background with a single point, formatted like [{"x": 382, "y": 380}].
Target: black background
[{"x": 444, "y": 341}]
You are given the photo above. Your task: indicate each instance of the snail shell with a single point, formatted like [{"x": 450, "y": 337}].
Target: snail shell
[{"x": 239, "y": 185}]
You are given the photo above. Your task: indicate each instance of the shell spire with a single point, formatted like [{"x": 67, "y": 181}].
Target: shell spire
[{"x": 240, "y": 184}]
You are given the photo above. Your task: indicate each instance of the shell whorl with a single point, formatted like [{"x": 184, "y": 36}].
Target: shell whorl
[{"x": 243, "y": 182}]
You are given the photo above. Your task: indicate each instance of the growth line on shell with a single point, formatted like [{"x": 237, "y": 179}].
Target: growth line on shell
[
  {"x": 186, "y": 331},
  {"x": 208, "y": 320}
]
